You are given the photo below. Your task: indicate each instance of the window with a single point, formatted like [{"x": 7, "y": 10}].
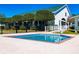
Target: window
[
  {"x": 62, "y": 22},
  {"x": 65, "y": 14},
  {"x": 78, "y": 23}
]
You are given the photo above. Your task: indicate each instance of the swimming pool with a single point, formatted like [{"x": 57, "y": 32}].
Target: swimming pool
[{"x": 44, "y": 37}]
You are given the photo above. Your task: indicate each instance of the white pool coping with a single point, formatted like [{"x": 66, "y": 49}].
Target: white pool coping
[{"x": 15, "y": 45}]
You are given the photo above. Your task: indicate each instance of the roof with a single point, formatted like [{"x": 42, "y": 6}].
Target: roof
[
  {"x": 52, "y": 9},
  {"x": 61, "y": 7},
  {"x": 55, "y": 9},
  {"x": 76, "y": 17},
  {"x": 72, "y": 19}
]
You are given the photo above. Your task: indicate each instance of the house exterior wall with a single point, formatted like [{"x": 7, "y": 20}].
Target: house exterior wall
[
  {"x": 64, "y": 13},
  {"x": 75, "y": 24},
  {"x": 60, "y": 15}
]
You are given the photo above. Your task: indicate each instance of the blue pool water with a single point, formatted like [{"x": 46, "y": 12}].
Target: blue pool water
[{"x": 44, "y": 37}]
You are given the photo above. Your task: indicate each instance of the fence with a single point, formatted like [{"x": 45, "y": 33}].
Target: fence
[
  {"x": 56, "y": 28},
  {"x": 51, "y": 28}
]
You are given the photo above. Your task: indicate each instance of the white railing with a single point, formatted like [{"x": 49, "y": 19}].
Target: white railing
[
  {"x": 56, "y": 28},
  {"x": 51, "y": 28}
]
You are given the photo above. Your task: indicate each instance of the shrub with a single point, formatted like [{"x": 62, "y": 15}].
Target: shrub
[
  {"x": 33, "y": 28},
  {"x": 22, "y": 27}
]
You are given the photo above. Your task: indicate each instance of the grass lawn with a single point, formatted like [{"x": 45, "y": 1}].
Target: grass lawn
[
  {"x": 14, "y": 31},
  {"x": 69, "y": 32},
  {"x": 24, "y": 31}
]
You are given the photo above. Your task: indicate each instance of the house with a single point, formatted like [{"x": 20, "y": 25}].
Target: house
[
  {"x": 62, "y": 13},
  {"x": 74, "y": 23},
  {"x": 2, "y": 26}
]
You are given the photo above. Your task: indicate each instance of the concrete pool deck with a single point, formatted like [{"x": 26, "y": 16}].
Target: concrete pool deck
[{"x": 14, "y": 45}]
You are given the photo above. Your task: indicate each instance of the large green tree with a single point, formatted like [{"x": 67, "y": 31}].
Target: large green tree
[
  {"x": 1, "y": 24},
  {"x": 17, "y": 18},
  {"x": 44, "y": 16},
  {"x": 28, "y": 19},
  {"x": 17, "y": 21},
  {"x": 8, "y": 22}
]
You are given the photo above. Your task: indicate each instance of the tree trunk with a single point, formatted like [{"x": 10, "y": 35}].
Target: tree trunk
[
  {"x": 26, "y": 30},
  {"x": 16, "y": 31},
  {"x": 33, "y": 23},
  {"x": 53, "y": 25},
  {"x": 1, "y": 31}
]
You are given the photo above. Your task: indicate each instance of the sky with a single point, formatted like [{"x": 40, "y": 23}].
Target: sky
[{"x": 14, "y": 9}]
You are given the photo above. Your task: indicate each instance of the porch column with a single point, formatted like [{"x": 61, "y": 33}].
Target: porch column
[
  {"x": 76, "y": 25},
  {"x": 60, "y": 28},
  {"x": 67, "y": 25}
]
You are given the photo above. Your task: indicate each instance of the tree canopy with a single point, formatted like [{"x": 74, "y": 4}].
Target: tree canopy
[
  {"x": 17, "y": 18},
  {"x": 44, "y": 15},
  {"x": 41, "y": 15},
  {"x": 28, "y": 17}
]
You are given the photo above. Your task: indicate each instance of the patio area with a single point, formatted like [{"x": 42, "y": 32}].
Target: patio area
[{"x": 14, "y": 45}]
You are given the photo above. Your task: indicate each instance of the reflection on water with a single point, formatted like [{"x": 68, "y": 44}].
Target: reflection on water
[{"x": 44, "y": 37}]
